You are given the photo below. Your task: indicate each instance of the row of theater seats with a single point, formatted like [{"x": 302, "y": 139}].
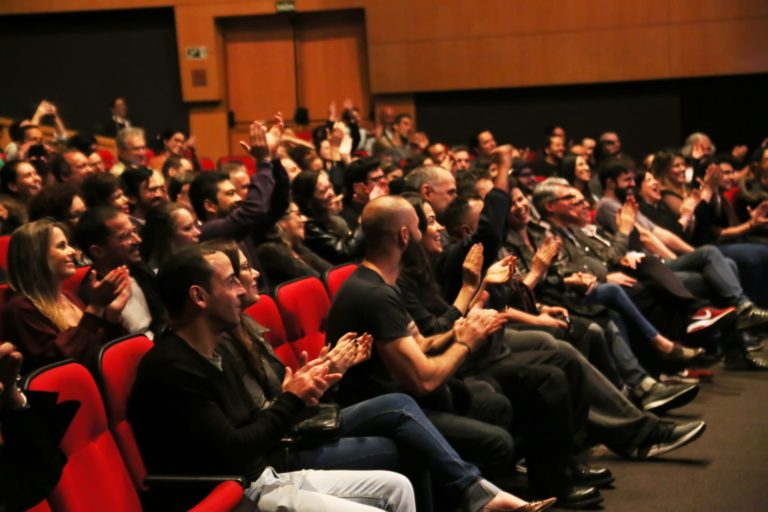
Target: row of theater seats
[
  {"x": 206, "y": 164},
  {"x": 105, "y": 470}
]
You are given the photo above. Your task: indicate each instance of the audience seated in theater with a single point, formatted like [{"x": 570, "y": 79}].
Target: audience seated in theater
[
  {"x": 188, "y": 378},
  {"x": 19, "y": 184},
  {"x": 704, "y": 270},
  {"x": 753, "y": 190},
  {"x": 549, "y": 162},
  {"x": 405, "y": 360},
  {"x": 220, "y": 210},
  {"x": 131, "y": 150},
  {"x": 103, "y": 189},
  {"x": 398, "y": 140},
  {"x": 697, "y": 151},
  {"x": 46, "y": 323},
  {"x": 173, "y": 143},
  {"x": 482, "y": 143},
  {"x": 174, "y": 166},
  {"x": 31, "y": 427},
  {"x": 144, "y": 189},
  {"x": 238, "y": 175},
  {"x": 608, "y": 146},
  {"x": 70, "y": 166},
  {"x": 109, "y": 239},
  {"x": 576, "y": 169},
  {"x": 169, "y": 227},
  {"x": 325, "y": 232},
  {"x": 284, "y": 256},
  {"x": 363, "y": 180},
  {"x": 178, "y": 190},
  {"x": 61, "y": 202}
]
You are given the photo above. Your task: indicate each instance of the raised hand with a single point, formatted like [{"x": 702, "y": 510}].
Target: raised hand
[
  {"x": 473, "y": 266},
  {"x": 275, "y": 134},
  {"x": 257, "y": 147}
]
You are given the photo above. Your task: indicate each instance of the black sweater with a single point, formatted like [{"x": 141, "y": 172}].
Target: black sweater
[{"x": 189, "y": 417}]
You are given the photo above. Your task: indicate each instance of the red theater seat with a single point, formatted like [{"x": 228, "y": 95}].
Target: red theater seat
[
  {"x": 265, "y": 312},
  {"x": 304, "y": 306},
  {"x": 336, "y": 276},
  {"x": 72, "y": 283},
  {"x": 95, "y": 476},
  {"x": 4, "y": 241}
]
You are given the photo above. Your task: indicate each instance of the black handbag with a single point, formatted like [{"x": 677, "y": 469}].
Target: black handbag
[{"x": 317, "y": 425}]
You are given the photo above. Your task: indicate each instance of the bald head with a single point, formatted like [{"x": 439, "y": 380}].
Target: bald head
[{"x": 389, "y": 222}]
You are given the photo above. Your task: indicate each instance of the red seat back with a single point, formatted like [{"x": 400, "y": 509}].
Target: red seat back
[
  {"x": 107, "y": 157},
  {"x": 4, "y": 241},
  {"x": 40, "y": 507},
  {"x": 149, "y": 155},
  {"x": 248, "y": 161},
  {"x": 72, "y": 283},
  {"x": 118, "y": 362},
  {"x": 94, "y": 477},
  {"x": 206, "y": 164},
  {"x": 304, "y": 306},
  {"x": 336, "y": 276},
  {"x": 265, "y": 312}
]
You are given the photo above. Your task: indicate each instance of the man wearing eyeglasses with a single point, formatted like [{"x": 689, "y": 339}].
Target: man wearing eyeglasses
[{"x": 363, "y": 180}]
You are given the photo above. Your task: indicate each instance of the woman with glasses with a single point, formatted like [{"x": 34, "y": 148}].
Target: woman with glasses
[{"x": 284, "y": 256}]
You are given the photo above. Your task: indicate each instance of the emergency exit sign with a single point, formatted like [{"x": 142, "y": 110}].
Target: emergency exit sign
[{"x": 285, "y": 5}]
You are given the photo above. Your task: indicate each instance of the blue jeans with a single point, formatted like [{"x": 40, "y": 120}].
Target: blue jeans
[
  {"x": 752, "y": 261},
  {"x": 720, "y": 273},
  {"x": 632, "y": 373},
  {"x": 613, "y": 296},
  {"x": 398, "y": 417}
]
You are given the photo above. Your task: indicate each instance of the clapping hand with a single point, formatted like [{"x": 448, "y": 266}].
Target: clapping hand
[
  {"x": 502, "y": 271},
  {"x": 473, "y": 266},
  {"x": 350, "y": 350},
  {"x": 310, "y": 381}
]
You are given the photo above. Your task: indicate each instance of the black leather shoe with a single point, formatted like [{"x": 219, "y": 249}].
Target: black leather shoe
[
  {"x": 749, "y": 363},
  {"x": 585, "y": 475},
  {"x": 580, "y": 498},
  {"x": 752, "y": 318}
]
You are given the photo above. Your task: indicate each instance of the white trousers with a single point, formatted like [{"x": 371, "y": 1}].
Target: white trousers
[{"x": 332, "y": 491}]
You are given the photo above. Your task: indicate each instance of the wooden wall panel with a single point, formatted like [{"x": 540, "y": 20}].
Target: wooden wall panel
[
  {"x": 208, "y": 123},
  {"x": 523, "y": 60},
  {"x": 332, "y": 61},
  {"x": 719, "y": 48},
  {"x": 260, "y": 72}
]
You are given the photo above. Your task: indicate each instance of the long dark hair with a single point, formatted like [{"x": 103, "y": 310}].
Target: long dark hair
[{"x": 417, "y": 266}]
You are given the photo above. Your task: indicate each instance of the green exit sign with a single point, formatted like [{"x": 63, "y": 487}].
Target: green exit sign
[{"x": 285, "y": 5}]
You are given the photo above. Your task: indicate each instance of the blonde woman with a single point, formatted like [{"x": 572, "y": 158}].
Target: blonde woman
[{"x": 46, "y": 323}]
